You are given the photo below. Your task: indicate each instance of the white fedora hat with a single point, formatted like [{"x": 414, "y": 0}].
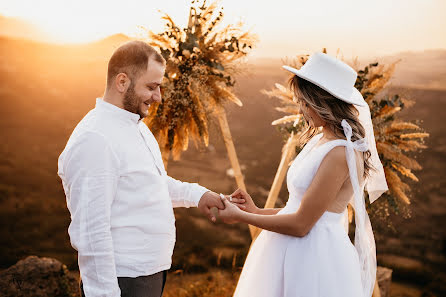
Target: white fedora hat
[{"x": 332, "y": 75}]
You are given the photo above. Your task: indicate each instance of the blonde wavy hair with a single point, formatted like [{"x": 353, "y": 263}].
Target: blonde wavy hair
[{"x": 331, "y": 110}]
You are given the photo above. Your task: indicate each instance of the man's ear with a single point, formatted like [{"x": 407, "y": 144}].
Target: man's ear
[{"x": 122, "y": 82}]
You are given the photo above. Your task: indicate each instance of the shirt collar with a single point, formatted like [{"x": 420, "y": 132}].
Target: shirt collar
[{"x": 117, "y": 111}]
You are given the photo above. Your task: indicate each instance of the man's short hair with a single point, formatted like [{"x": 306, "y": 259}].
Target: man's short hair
[{"x": 131, "y": 58}]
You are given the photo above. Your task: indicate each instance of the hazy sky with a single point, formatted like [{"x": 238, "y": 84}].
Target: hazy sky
[{"x": 285, "y": 27}]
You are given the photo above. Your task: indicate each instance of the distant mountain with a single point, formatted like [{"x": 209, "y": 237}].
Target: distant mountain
[
  {"x": 17, "y": 28},
  {"x": 113, "y": 39},
  {"x": 106, "y": 45},
  {"x": 420, "y": 70},
  {"x": 426, "y": 69}
]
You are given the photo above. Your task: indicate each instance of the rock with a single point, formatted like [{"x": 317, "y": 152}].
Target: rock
[
  {"x": 384, "y": 277},
  {"x": 37, "y": 277},
  {"x": 409, "y": 269}
]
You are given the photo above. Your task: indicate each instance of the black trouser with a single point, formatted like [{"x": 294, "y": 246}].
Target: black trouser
[{"x": 141, "y": 286}]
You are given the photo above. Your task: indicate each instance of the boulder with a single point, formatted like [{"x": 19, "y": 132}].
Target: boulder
[
  {"x": 384, "y": 277},
  {"x": 34, "y": 276}
]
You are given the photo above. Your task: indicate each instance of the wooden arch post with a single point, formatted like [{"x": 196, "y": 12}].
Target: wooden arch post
[
  {"x": 287, "y": 155},
  {"x": 227, "y": 137}
]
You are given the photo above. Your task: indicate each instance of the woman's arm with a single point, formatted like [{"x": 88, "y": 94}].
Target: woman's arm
[
  {"x": 268, "y": 211},
  {"x": 332, "y": 173}
]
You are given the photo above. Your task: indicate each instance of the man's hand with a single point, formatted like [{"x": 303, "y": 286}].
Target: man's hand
[
  {"x": 231, "y": 213},
  {"x": 208, "y": 201}
]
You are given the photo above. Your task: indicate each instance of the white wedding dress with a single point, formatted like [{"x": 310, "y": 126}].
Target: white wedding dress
[{"x": 324, "y": 263}]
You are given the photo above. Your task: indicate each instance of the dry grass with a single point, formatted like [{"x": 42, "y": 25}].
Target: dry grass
[
  {"x": 217, "y": 283},
  {"x": 222, "y": 284}
]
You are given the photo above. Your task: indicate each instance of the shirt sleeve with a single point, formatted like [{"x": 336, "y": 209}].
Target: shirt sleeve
[
  {"x": 184, "y": 194},
  {"x": 90, "y": 174}
]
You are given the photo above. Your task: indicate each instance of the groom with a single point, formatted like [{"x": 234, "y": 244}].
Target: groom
[{"x": 118, "y": 193}]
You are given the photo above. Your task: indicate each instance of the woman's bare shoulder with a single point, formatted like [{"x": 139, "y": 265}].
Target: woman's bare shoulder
[{"x": 334, "y": 162}]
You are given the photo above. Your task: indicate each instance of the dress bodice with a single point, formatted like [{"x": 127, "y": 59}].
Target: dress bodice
[
  {"x": 302, "y": 170},
  {"x": 305, "y": 165}
]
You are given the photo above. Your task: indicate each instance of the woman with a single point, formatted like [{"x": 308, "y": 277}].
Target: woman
[{"x": 304, "y": 249}]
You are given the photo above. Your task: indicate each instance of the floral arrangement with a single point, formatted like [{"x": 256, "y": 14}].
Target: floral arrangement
[{"x": 201, "y": 62}]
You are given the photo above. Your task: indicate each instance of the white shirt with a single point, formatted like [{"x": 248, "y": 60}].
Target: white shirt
[{"x": 120, "y": 199}]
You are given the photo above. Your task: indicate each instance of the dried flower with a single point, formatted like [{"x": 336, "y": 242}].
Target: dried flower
[{"x": 201, "y": 62}]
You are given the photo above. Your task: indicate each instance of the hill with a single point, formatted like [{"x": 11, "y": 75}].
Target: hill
[
  {"x": 46, "y": 89},
  {"x": 419, "y": 70},
  {"x": 20, "y": 29}
]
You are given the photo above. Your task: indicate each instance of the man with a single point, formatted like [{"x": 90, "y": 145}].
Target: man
[{"x": 118, "y": 193}]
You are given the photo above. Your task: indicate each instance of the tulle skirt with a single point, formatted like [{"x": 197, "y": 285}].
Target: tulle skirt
[{"x": 324, "y": 263}]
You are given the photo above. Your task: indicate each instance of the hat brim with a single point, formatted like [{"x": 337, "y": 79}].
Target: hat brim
[{"x": 355, "y": 97}]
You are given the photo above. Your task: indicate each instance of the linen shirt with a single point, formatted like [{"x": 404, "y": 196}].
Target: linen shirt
[{"x": 120, "y": 199}]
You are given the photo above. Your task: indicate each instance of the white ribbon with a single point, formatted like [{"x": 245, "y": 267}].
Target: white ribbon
[
  {"x": 376, "y": 183},
  {"x": 364, "y": 239}
]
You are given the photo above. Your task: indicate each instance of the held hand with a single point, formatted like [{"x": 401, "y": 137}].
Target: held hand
[
  {"x": 231, "y": 213},
  {"x": 208, "y": 201},
  {"x": 244, "y": 201}
]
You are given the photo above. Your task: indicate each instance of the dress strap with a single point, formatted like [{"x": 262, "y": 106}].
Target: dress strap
[
  {"x": 364, "y": 239},
  {"x": 311, "y": 143},
  {"x": 360, "y": 144}
]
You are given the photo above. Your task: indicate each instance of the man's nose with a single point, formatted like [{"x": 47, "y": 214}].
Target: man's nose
[{"x": 157, "y": 96}]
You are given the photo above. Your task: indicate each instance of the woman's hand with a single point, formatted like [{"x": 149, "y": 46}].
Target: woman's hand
[
  {"x": 231, "y": 214},
  {"x": 244, "y": 201}
]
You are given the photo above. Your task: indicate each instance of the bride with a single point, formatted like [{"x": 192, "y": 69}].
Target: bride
[{"x": 304, "y": 249}]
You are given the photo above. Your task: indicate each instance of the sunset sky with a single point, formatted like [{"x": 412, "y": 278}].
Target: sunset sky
[{"x": 284, "y": 27}]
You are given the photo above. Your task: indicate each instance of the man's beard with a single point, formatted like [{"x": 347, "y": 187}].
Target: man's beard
[{"x": 132, "y": 101}]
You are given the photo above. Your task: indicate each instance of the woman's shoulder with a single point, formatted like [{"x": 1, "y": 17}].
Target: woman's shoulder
[
  {"x": 336, "y": 159},
  {"x": 337, "y": 155}
]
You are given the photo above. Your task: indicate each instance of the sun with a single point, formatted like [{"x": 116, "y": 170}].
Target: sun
[{"x": 83, "y": 20}]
